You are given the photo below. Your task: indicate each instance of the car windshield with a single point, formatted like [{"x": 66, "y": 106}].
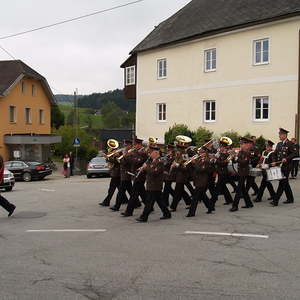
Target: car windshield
[
  {"x": 33, "y": 163},
  {"x": 98, "y": 160}
]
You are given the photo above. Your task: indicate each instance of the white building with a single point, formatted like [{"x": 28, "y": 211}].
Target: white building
[{"x": 224, "y": 65}]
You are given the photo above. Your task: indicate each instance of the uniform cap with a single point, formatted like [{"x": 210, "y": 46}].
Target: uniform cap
[{"x": 284, "y": 131}]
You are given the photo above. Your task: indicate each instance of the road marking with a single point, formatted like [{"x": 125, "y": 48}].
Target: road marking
[
  {"x": 47, "y": 190},
  {"x": 68, "y": 230},
  {"x": 228, "y": 234}
]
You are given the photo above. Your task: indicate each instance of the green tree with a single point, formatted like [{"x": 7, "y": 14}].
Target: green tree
[
  {"x": 57, "y": 117},
  {"x": 112, "y": 115},
  {"x": 177, "y": 129},
  {"x": 200, "y": 135}
]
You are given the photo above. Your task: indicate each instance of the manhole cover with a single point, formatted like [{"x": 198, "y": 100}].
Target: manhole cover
[{"x": 29, "y": 214}]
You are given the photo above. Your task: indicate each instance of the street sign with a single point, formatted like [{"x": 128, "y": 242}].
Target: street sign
[{"x": 76, "y": 142}]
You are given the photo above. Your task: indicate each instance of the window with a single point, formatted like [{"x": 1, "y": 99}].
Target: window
[
  {"x": 209, "y": 111},
  {"x": 161, "y": 112},
  {"x": 28, "y": 115},
  {"x": 261, "y": 51},
  {"x": 12, "y": 114},
  {"x": 23, "y": 87},
  {"x": 210, "y": 57},
  {"x": 130, "y": 75},
  {"x": 261, "y": 108},
  {"x": 162, "y": 68},
  {"x": 41, "y": 116},
  {"x": 33, "y": 90}
]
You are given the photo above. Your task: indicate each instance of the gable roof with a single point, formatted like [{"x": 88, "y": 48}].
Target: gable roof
[
  {"x": 201, "y": 18},
  {"x": 12, "y": 71}
]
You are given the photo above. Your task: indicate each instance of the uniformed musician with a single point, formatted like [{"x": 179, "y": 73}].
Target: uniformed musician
[
  {"x": 125, "y": 185},
  {"x": 154, "y": 170},
  {"x": 137, "y": 158},
  {"x": 267, "y": 158},
  {"x": 243, "y": 160},
  {"x": 285, "y": 152}
]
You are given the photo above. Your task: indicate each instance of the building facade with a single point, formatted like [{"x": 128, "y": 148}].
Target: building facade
[
  {"x": 243, "y": 78},
  {"x": 25, "y": 110}
]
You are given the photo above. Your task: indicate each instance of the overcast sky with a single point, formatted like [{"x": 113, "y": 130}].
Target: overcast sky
[{"x": 84, "y": 54}]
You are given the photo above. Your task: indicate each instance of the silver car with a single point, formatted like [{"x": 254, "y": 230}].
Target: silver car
[
  {"x": 96, "y": 167},
  {"x": 8, "y": 181}
]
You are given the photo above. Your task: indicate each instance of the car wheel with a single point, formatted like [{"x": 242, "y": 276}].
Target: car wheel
[
  {"x": 9, "y": 189},
  {"x": 88, "y": 175},
  {"x": 27, "y": 177}
]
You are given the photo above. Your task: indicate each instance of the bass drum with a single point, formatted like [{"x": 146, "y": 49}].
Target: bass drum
[
  {"x": 255, "y": 172},
  {"x": 274, "y": 173}
]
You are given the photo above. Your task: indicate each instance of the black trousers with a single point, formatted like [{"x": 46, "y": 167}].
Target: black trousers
[
  {"x": 113, "y": 185},
  {"x": 198, "y": 196},
  {"x": 167, "y": 191},
  {"x": 125, "y": 186},
  {"x": 180, "y": 193},
  {"x": 251, "y": 184},
  {"x": 212, "y": 185},
  {"x": 221, "y": 189},
  {"x": 5, "y": 204},
  {"x": 241, "y": 192},
  {"x": 295, "y": 166},
  {"x": 265, "y": 184},
  {"x": 190, "y": 187},
  {"x": 284, "y": 186},
  {"x": 138, "y": 190},
  {"x": 152, "y": 197},
  {"x": 232, "y": 182}
]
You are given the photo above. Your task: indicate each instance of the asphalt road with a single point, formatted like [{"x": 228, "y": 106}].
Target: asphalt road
[{"x": 132, "y": 261}]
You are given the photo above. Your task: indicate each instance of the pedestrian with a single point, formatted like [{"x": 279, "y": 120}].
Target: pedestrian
[
  {"x": 3, "y": 202},
  {"x": 66, "y": 166},
  {"x": 71, "y": 156},
  {"x": 295, "y": 163}
]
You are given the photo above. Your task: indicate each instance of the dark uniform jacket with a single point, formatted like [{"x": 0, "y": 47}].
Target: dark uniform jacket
[
  {"x": 137, "y": 159},
  {"x": 288, "y": 151},
  {"x": 200, "y": 173},
  {"x": 243, "y": 160},
  {"x": 169, "y": 175},
  {"x": 181, "y": 172},
  {"x": 222, "y": 164},
  {"x": 154, "y": 175},
  {"x": 115, "y": 167},
  {"x": 254, "y": 156},
  {"x": 125, "y": 167}
]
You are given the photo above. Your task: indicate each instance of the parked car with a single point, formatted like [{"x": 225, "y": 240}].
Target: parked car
[
  {"x": 28, "y": 171},
  {"x": 8, "y": 181},
  {"x": 96, "y": 167}
]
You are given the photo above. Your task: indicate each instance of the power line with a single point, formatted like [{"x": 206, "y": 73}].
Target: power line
[
  {"x": 8, "y": 53},
  {"x": 70, "y": 20}
]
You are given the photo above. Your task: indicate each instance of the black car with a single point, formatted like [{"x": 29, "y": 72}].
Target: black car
[{"x": 28, "y": 171}]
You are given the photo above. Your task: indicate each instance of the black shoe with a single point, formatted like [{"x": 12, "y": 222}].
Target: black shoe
[
  {"x": 233, "y": 209},
  {"x": 190, "y": 215},
  {"x": 172, "y": 209},
  {"x": 271, "y": 198},
  {"x": 273, "y": 203},
  {"x": 11, "y": 211},
  {"x": 140, "y": 220},
  {"x": 288, "y": 202},
  {"x": 103, "y": 204},
  {"x": 188, "y": 207},
  {"x": 166, "y": 217},
  {"x": 254, "y": 194},
  {"x": 209, "y": 212},
  {"x": 124, "y": 214},
  {"x": 138, "y": 206},
  {"x": 114, "y": 208},
  {"x": 257, "y": 200},
  {"x": 227, "y": 203}
]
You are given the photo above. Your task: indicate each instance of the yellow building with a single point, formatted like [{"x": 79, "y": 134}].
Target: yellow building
[
  {"x": 223, "y": 65},
  {"x": 25, "y": 113}
]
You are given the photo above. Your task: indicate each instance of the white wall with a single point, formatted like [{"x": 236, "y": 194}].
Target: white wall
[{"x": 233, "y": 85}]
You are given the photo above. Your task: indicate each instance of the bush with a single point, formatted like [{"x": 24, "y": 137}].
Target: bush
[
  {"x": 177, "y": 129},
  {"x": 261, "y": 143},
  {"x": 200, "y": 135}
]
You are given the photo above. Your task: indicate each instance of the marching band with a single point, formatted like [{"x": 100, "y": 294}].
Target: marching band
[{"x": 154, "y": 172}]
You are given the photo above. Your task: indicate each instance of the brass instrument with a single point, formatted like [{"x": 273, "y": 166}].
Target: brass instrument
[
  {"x": 114, "y": 153},
  {"x": 226, "y": 140},
  {"x": 182, "y": 139},
  {"x": 119, "y": 159},
  {"x": 152, "y": 140}
]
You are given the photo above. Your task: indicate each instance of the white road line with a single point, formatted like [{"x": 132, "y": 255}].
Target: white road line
[
  {"x": 68, "y": 230},
  {"x": 228, "y": 234},
  {"x": 47, "y": 190}
]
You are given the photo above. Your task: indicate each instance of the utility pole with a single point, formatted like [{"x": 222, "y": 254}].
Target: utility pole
[{"x": 76, "y": 124}]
